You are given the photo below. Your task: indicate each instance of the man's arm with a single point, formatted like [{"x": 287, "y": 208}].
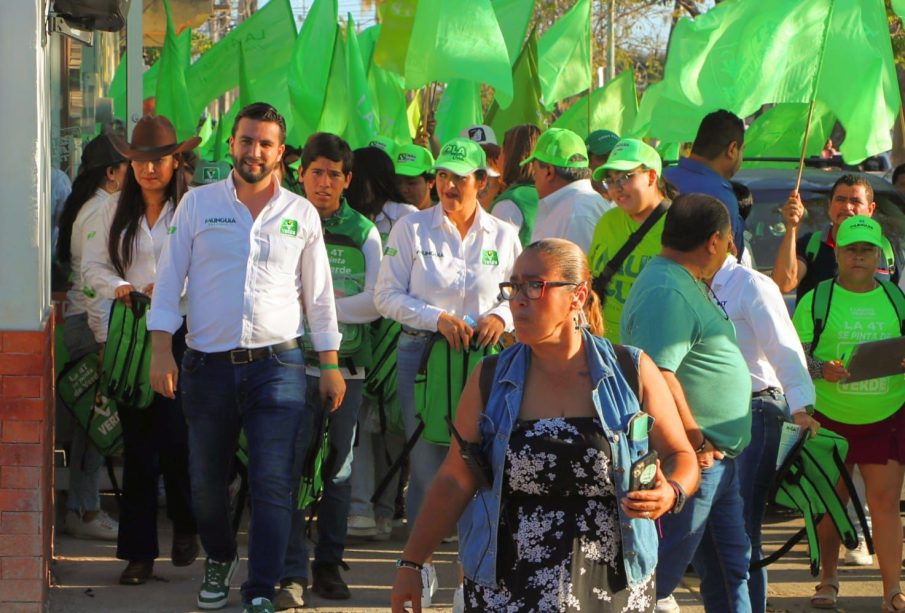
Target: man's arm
[{"x": 788, "y": 268}]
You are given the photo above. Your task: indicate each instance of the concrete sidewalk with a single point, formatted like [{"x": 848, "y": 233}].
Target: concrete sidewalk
[{"x": 86, "y": 573}]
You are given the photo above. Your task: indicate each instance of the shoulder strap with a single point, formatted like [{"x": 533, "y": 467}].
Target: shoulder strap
[
  {"x": 813, "y": 246},
  {"x": 488, "y": 370},
  {"x": 601, "y": 282},
  {"x": 897, "y": 298},
  {"x": 889, "y": 255},
  {"x": 820, "y": 309},
  {"x": 629, "y": 368}
]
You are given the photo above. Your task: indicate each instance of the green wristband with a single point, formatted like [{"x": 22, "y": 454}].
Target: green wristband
[{"x": 329, "y": 366}]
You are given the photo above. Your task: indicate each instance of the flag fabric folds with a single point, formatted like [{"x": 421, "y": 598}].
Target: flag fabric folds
[
  {"x": 459, "y": 108},
  {"x": 362, "y": 121},
  {"x": 564, "y": 55},
  {"x": 309, "y": 69},
  {"x": 172, "y": 94},
  {"x": 779, "y": 132},
  {"x": 514, "y": 16},
  {"x": 526, "y": 107},
  {"x": 397, "y": 18},
  {"x": 613, "y": 107}
]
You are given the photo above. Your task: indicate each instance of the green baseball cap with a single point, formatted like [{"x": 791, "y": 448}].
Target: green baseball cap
[
  {"x": 859, "y": 229},
  {"x": 210, "y": 172},
  {"x": 601, "y": 142},
  {"x": 462, "y": 156},
  {"x": 559, "y": 147},
  {"x": 630, "y": 153},
  {"x": 385, "y": 143},
  {"x": 413, "y": 160}
]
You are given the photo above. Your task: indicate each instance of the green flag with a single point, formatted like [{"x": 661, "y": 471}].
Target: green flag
[
  {"x": 367, "y": 39},
  {"x": 397, "y": 18},
  {"x": 172, "y": 93},
  {"x": 335, "y": 115},
  {"x": 613, "y": 107},
  {"x": 206, "y": 132},
  {"x": 270, "y": 87},
  {"x": 268, "y": 37},
  {"x": 310, "y": 66},
  {"x": 779, "y": 132},
  {"x": 459, "y": 108},
  {"x": 898, "y": 6},
  {"x": 649, "y": 100},
  {"x": 738, "y": 56},
  {"x": 564, "y": 55},
  {"x": 514, "y": 17},
  {"x": 389, "y": 102},
  {"x": 362, "y": 122},
  {"x": 526, "y": 107},
  {"x": 453, "y": 41}
]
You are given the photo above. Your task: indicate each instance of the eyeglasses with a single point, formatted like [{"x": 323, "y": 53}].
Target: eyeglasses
[
  {"x": 622, "y": 179},
  {"x": 533, "y": 290}
]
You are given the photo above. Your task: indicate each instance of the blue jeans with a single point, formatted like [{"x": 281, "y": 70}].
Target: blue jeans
[
  {"x": 756, "y": 469},
  {"x": 426, "y": 458},
  {"x": 333, "y": 511},
  {"x": 267, "y": 399},
  {"x": 710, "y": 534}
]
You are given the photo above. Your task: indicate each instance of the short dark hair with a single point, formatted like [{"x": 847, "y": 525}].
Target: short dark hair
[
  {"x": 716, "y": 131},
  {"x": 261, "y": 111},
  {"x": 330, "y": 146},
  {"x": 692, "y": 219},
  {"x": 745, "y": 198},
  {"x": 852, "y": 180},
  {"x": 373, "y": 180},
  {"x": 898, "y": 172}
]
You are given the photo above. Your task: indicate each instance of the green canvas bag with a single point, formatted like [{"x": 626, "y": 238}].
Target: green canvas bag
[
  {"x": 126, "y": 370},
  {"x": 77, "y": 385}
]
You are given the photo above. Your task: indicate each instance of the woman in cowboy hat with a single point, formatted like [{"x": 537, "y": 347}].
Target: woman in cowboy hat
[{"x": 124, "y": 260}]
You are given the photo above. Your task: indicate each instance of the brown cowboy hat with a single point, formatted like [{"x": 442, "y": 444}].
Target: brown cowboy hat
[{"x": 152, "y": 138}]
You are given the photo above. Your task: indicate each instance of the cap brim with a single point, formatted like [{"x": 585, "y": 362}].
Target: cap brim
[
  {"x": 410, "y": 171},
  {"x": 492, "y": 173},
  {"x": 858, "y": 238},
  {"x": 145, "y": 155},
  {"x": 460, "y": 169},
  {"x": 527, "y": 160},
  {"x": 621, "y": 165}
]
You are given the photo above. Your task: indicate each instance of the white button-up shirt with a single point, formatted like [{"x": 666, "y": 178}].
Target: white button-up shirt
[
  {"x": 248, "y": 279},
  {"x": 87, "y": 227},
  {"x": 101, "y": 276},
  {"x": 765, "y": 333},
  {"x": 429, "y": 269},
  {"x": 572, "y": 213}
]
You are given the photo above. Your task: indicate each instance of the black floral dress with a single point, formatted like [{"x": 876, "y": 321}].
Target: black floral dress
[{"x": 560, "y": 547}]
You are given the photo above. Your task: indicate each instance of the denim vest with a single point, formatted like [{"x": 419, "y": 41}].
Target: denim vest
[{"x": 615, "y": 403}]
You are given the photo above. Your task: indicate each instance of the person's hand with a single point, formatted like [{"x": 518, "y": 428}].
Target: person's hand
[
  {"x": 808, "y": 424},
  {"x": 332, "y": 389},
  {"x": 834, "y": 371},
  {"x": 121, "y": 293},
  {"x": 709, "y": 455},
  {"x": 650, "y": 504},
  {"x": 456, "y": 332},
  {"x": 164, "y": 373},
  {"x": 793, "y": 211},
  {"x": 488, "y": 330},
  {"x": 406, "y": 587}
]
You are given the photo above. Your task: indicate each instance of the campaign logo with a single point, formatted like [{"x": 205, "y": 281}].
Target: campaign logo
[
  {"x": 454, "y": 151},
  {"x": 489, "y": 257},
  {"x": 289, "y": 227},
  {"x": 171, "y": 230},
  {"x": 477, "y": 134},
  {"x": 389, "y": 251},
  {"x": 406, "y": 157},
  {"x": 211, "y": 174}
]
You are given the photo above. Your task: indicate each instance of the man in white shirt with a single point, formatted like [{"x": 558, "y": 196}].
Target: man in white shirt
[
  {"x": 569, "y": 207},
  {"x": 252, "y": 260},
  {"x": 782, "y": 391}
]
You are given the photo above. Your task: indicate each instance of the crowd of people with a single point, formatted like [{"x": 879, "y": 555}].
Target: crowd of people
[{"x": 622, "y": 425}]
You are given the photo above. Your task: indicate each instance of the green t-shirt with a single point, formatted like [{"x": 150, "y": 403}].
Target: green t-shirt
[
  {"x": 611, "y": 232},
  {"x": 853, "y": 318},
  {"x": 670, "y": 315}
]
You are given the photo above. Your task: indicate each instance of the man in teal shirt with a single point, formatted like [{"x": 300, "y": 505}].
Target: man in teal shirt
[{"x": 673, "y": 316}]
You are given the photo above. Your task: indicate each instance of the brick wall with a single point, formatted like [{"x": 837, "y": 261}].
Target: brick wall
[{"x": 26, "y": 469}]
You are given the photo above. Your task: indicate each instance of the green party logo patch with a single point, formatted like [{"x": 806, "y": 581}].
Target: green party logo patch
[
  {"x": 171, "y": 230},
  {"x": 91, "y": 235},
  {"x": 406, "y": 157},
  {"x": 389, "y": 251},
  {"x": 489, "y": 257},
  {"x": 289, "y": 227},
  {"x": 454, "y": 151}
]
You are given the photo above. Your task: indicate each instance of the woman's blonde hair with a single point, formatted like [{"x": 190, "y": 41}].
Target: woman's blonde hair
[{"x": 571, "y": 263}]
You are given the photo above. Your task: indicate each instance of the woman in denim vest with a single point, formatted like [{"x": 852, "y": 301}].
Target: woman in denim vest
[{"x": 558, "y": 529}]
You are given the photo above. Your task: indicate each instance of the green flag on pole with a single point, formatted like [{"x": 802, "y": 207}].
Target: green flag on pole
[
  {"x": 564, "y": 55},
  {"x": 779, "y": 132},
  {"x": 335, "y": 115},
  {"x": 514, "y": 16},
  {"x": 453, "y": 41},
  {"x": 268, "y": 37},
  {"x": 613, "y": 107},
  {"x": 388, "y": 98},
  {"x": 172, "y": 93},
  {"x": 362, "y": 123},
  {"x": 397, "y": 18},
  {"x": 309, "y": 69},
  {"x": 367, "y": 39},
  {"x": 206, "y": 132},
  {"x": 459, "y": 108},
  {"x": 526, "y": 107},
  {"x": 223, "y": 133}
]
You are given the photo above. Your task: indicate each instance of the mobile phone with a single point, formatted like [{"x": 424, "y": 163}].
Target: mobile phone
[
  {"x": 643, "y": 474},
  {"x": 474, "y": 458}
]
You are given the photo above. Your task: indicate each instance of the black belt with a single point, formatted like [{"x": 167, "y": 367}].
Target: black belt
[
  {"x": 244, "y": 356},
  {"x": 770, "y": 391}
]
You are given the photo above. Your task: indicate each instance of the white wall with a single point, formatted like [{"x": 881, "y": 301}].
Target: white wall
[{"x": 24, "y": 167}]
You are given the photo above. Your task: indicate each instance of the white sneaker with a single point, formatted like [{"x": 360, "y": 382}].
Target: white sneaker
[
  {"x": 459, "y": 600},
  {"x": 360, "y": 525},
  {"x": 667, "y": 605},
  {"x": 859, "y": 556},
  {"x": 102, "y": 527},
  {"x": 384, "y": 529},
  {"x": 429, "y": 586}
]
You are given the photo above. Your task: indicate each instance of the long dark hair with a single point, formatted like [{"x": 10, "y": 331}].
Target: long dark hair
[
  {"x": 129, "y": 210},
  {"x": 83, "y": 188},
  {"x": 373, "y": 182}
]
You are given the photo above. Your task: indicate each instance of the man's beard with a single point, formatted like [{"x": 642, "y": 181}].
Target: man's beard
[{"x": 250, "y": 177}]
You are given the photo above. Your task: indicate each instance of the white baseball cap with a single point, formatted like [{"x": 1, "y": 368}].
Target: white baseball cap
[{"x": 480, "y": 134}]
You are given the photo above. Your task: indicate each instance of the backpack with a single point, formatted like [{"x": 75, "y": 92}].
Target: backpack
[
  {"x": 813, "y": 246},
  {"x": 823, "y": 296},
  {"x": 77, "y": 385},
  {"x": 126, "y": 369},
  {"x": 806, "y": 483}
]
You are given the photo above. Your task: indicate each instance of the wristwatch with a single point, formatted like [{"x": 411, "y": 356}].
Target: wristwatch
[
  {"x": 681, "y": 497},
  {"x": 701, "y": 447}
]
